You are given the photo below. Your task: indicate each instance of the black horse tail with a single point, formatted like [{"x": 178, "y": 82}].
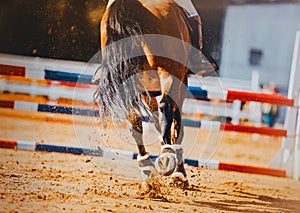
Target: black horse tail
[{"x": 119, "y": 85}]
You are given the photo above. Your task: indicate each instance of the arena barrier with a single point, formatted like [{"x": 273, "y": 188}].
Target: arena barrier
[
  {"x": 128, "y": 155},
  {"x": 60, "y": 84},
  {"x": 48, "y": 85}
]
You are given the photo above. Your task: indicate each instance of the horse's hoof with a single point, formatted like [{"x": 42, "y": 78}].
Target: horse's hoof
[
  {"x": 178, "y": 179},
  {"x": 166, "y": 163}
]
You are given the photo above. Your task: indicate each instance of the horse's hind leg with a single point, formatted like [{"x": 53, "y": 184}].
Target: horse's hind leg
[
  {"x": 166, "y": 162},
  {"x": 174, "y": 127},
  {"x": 178, "y": 129},
  {"x": 146, "y": 165},
  {"x": 175, "y": 148}
]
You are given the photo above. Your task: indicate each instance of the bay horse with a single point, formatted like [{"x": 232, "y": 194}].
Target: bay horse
[{"x": 145, "y": 47}]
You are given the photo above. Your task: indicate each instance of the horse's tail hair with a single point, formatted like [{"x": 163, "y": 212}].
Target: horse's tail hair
[{"x": 119, "y": 85}]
